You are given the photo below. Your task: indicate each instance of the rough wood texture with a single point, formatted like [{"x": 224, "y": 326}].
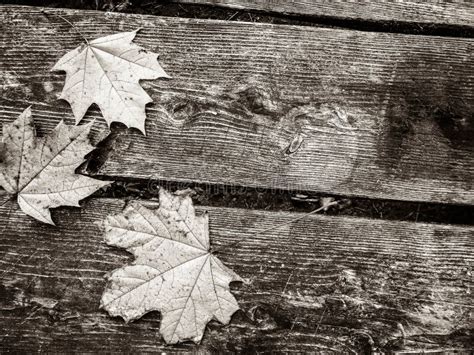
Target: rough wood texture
[
  {"x": 321, "y": 283},
  {"x": 343, "y": 112},
  {"x": 435, "y": 12}
]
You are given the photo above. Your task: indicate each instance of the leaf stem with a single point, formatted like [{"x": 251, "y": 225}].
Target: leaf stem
[
  {"x": 67, "y": 21},
  {"x": 11, "y": 198}
]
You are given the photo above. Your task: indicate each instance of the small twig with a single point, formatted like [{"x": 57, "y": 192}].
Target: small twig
[
  {"x": 284, "y": 224},
  {"x": 287, "y": 282},
  {"x": 417, "y": 212},
  {"x": 68, "y": 22},
  {"x": 300, "y": 217},
  {"x": 182, "y": 8},
  {"x": 232, "y": 16}
]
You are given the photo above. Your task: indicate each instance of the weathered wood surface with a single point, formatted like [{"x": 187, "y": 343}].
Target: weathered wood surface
[
  {"x": 321, "y": 283},
  {"x": 433, "y": 12},
  {"x": 344, "y": 112}
]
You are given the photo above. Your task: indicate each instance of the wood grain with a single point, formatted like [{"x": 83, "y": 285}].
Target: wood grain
[
  {"x": 343, "y": 112},
  {"x": 321, "y": 283},
  {"x": 432, "y": 12}
]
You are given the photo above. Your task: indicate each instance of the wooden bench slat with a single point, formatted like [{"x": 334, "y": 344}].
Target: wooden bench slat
[
  {"x": 328, "y": 283},
  {"x": 345, "y": 112},
  {"x": 440, "y": 12}
]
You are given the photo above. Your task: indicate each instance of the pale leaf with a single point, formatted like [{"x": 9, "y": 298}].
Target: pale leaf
[
  {"x": 106, "y": 71},
  {"x": 174, "y": 271},
  {"x": 40, "y": 171}
]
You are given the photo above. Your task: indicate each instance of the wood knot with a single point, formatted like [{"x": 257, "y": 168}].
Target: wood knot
[
  {"x": 258, "y": 100},
  {"x": 184, "y": 112},
  {"x": 329, "y": 117},
  {"x": 295, "y": 144},
  {"x": 261, "y": 316},
  {"x": 457, "y": 125}
]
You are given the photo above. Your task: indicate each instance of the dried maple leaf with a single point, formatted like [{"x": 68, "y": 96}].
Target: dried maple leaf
[
  {"x": 40, "y": 171},
  {"x": 106, "y": 71},
  {"x": 174, "y": 271}
]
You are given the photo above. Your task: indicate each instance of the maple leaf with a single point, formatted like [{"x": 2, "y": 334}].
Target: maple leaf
[
  {"x": 106, "y": 71},
  {"x": 40, "y": 171},
  {"x": 174, "y": 271}
]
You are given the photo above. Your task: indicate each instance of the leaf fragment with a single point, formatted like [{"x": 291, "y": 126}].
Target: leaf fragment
[
  {"x": 106, "y": 71},
  {"x": 174, "y": 271},
  {"x": 41, "y": 171}
]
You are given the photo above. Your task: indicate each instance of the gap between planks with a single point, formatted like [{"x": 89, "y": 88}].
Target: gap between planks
[{"x": 440, "y": 13}]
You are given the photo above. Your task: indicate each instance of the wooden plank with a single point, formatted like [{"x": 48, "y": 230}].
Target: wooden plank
[
  {"x": 378, "y": 115},
  {"x": 324, "y": 283},
  {"x": 432, "y": 12}
]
